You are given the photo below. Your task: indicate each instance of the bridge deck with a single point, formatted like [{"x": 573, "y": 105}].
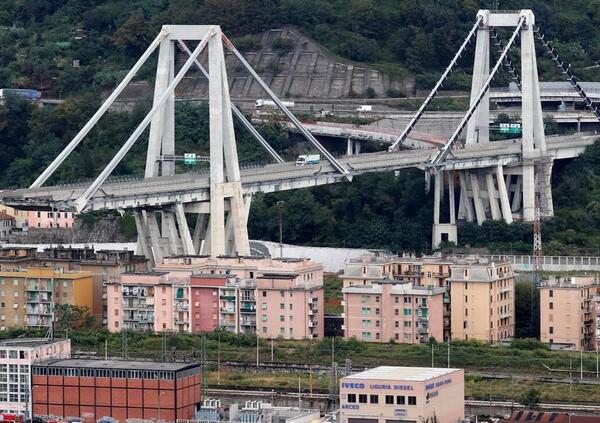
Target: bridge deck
[{"x": 194, "y": 187}]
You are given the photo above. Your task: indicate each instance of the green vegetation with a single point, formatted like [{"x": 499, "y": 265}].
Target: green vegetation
[
  {"x": 41, "y": 39},
  {"x": 522, "y": 358},
  {"x": 530, "y": 398},
  {"x": 333, "y": 294}
]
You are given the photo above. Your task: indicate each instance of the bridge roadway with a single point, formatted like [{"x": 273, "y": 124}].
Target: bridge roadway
[{"x": 194, "y": 187}]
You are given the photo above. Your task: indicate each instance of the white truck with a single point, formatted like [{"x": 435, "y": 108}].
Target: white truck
[
  {"x": 270, "y": 103},
  {"x": 364, "y": 108},
  {"x": 308, "y": 159}
]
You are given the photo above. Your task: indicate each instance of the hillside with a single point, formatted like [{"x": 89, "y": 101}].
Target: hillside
[
  {"x": 80, "y": 48},
  {"x": 69, "y": 47}
]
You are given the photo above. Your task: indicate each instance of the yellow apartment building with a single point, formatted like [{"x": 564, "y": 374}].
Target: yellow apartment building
[
  {"x": 28, "y": 296},
  {"x": 568, "y": 312},
  {"x": 483, "y": 301}
]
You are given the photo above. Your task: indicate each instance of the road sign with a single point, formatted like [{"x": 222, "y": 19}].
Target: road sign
[
  {"x": 189, "y": 159},
  {"x": 510, "y": 128}
]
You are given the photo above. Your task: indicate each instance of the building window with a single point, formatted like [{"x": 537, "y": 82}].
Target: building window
[
  {"x": 400, "y": 399},
  {"x": 282, "y": 306},
  {"x": 396, "y": 312},
  {"x": 374, "y": 399},
  {"x": 407, "y": 311},
  {"x": 551, "y": 305},
  {"x": 351, "y": 398},
  {"x": 264, "y": 293},
  {"x": 362, "y": 398},
  {"x": 551, "y": 330},
  {"x": 396, "y": 300},
  {"x": 465, "y": 324},
  {"x": 551, "y": 293},
  {"x": 116, "y": 312},
  {"x": 389, "y": 400},
  {"x": 282, "y": 318},
  {"x": 412, "y": 400}
]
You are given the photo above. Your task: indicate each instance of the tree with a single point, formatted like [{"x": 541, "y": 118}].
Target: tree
[
  {"x": 530, "y": 398},
  {"x": 68, "y": 316}
]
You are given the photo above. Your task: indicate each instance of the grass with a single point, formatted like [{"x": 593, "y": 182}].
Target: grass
[{"x": 333, "y": 294}]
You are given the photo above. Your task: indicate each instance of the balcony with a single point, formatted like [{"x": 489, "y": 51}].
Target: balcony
[
  {"x": 182, "y": 307},
  {"x": 312, "y": 324},
  {"x": 446, "y": 299},
  {"x": 228, "y": 310},
  {"x": 504, "y": 314},
  {"x": 421, "y": 305},
  {"x": 38, "y": 299},
  {"x": 247, "y": 309},
  {"x": 44, "y": 311},
  {"x": 505, "y": 289},
  {"x": 38, "y": 288}
]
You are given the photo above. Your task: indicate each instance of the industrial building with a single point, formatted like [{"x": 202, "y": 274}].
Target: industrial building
[
  {"x": 91, "y": 389},
  {"x": 392, "y": 394}
]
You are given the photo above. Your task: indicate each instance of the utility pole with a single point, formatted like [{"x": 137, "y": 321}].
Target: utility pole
[
  {"x": 219, "y": 359},
  {"x": 448, "y": 351},
  {"x": 432, "y": 356},
  {"x": 257, "y": 358},
  {"x": 581, "y": 364},
  {"x": 280, "y": 213},
  {"x": 271, "y": 350}
]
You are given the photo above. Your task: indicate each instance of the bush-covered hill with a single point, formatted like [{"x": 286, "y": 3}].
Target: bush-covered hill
[{"x": 39, "y": 39}]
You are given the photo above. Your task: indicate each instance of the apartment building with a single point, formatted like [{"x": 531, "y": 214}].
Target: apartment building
[
  {"x": 393, "y": 310},
  {"x": 568, "y": 313},
  {"x": 16, "y": 358},
  {"x": 223, "y": 301},
  {"x": 20, "y": 216},
  {"x": 53, "y": 219},
  {"x": 291, "y": 306},
  {"x": 431, "y": 270},
  {"x": 217, "y": 296},
  {"x": 483, "y": 301},
  {"x": 27, "y": 296}
]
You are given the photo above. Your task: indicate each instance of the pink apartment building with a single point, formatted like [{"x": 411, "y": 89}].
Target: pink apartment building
[
  {"x": 142, "y": 301},
  {"x": 290, "y": 306},
  {"x": 393, "y": 310},
  {"x": 199, "y": 294},
  {"x": 43, "y": 219}
]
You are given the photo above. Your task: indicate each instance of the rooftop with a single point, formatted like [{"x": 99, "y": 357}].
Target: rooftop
[
  {"x": 416, "y": 374},
  {"x": 119, "y": 364},
  {"x": 29, "y": 342}
]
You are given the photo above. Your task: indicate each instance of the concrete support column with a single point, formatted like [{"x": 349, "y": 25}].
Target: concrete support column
[
  {"x": 437, "y": 187},
  {"x": 356, "y": 147},
  {"x": 162, "y": 127},
  {"x": 491, "y": 190},
  {"x": 478, "y": 130},
  {"x": 528, "y": 181},
  {"x": 451, "y": 197},
  {"x": 465, "y": 206},
  {"x": 152, "y": 228},
  {"x": 143, "y": 237},
  {"x": 170, "y": 231},
  {"x": 479, "y": 209},
  {"x": 504, "y": 200},
  {"x": 516, "y": 203},
  {"x": 184, "y": 230},
  {"x": 349, "y": 147}
]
